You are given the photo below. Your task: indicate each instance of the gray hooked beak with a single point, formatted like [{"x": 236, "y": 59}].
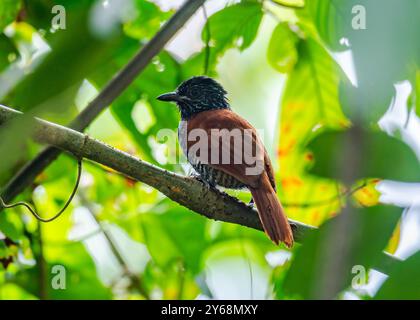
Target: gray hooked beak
[{"x": 171, "y": 96}]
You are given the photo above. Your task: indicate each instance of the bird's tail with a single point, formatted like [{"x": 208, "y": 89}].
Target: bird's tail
[{"x": 271, "y": 213}]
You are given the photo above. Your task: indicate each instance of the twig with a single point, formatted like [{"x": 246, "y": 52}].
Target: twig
[
  {"x": 187, "y": 191},
  {"x": 33, "y": 210},
  {"x": 208, "y": 37},
  {"x": 111, "y": 91}
]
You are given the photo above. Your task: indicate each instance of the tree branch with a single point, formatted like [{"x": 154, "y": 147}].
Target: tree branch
[
  {"x": 186, "y": 191},
  {"x": 111, "y": 91}
]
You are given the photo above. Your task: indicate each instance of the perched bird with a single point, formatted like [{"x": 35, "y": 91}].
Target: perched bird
[{"x": 208, "y": 133}]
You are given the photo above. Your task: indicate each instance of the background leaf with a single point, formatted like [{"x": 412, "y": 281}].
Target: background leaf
[
  {"x": 234, "y": 26},
  {"x": 147, "y": 21},
  {"x": 310, "y": 100},
  {"x": 9, "y": 10},
  {"x": 377, "y": 155},
  {"x": 316, "y": 272},
  {"x": 327, "y": 19},
  {"x": 403, "y": 282},
  {"x": 7, "y": 50}
]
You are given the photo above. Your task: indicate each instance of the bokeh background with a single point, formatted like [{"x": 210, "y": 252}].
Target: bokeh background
[{"x": 299, "y": 71}]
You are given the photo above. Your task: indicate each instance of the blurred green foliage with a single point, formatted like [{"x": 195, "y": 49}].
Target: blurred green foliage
[
  {"x": 403, "y": 282},
  {"x": 322, "y": 267},
  {"x": 122, "y": 239},
  {"x": 8, "y": 12},
  {"x": 7, "y": 51},
  {"x": 376, "y": 155}
]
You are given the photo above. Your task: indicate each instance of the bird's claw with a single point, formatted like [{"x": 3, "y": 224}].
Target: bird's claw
[
  {"x": 207, "y": 184},
  {"x": 251, "y": 203}
]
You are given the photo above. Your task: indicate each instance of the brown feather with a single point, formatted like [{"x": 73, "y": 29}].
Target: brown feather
[
  {"x": 261, "y": 185},
  {"x": 271, "y": 213}
]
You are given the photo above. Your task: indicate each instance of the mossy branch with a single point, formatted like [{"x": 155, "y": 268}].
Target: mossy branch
[{"x": 186, "y": 191}]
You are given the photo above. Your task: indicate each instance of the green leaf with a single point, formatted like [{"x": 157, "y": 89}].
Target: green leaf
[
  {"x": 326, "y": 19},
  {"x": 234, "y": 26},
  {"x": 374, "y": 153},
  {"x": 310, "y": 100},
  {"x": 314, "y": 83},
  {"x": 9, "y": 10},
  {"x": 322, "y": 266},
  {"x": 403, "y": 282},
  {"x": 10, "y": 225},
  {"x": 38, "y": 12},
  {"x": 282, "y": 54}
]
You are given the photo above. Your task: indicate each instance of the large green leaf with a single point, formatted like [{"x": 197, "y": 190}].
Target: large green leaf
[
  {"x": 373, "y": 153},
  {"x": 314, "y": 83},
  {"x": 310, "y": 100},
  {"x": 322, "y": 266},
  {"x": 282, "y": 54},
  {"x": 403, "y": 282},
  {"x": 234, "y": 26}
]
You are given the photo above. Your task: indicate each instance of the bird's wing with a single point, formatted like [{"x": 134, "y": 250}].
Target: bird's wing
[{"x": 232, "y": 144}]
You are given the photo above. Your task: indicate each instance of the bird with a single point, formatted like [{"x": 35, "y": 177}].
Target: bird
[{"x": 219, "y": 160}]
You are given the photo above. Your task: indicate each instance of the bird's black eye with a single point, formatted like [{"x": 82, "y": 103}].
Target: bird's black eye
[{"x": 194, "y": 92}]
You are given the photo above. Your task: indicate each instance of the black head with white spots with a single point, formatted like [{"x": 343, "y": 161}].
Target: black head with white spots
[{"x": 196, "y": 95}]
